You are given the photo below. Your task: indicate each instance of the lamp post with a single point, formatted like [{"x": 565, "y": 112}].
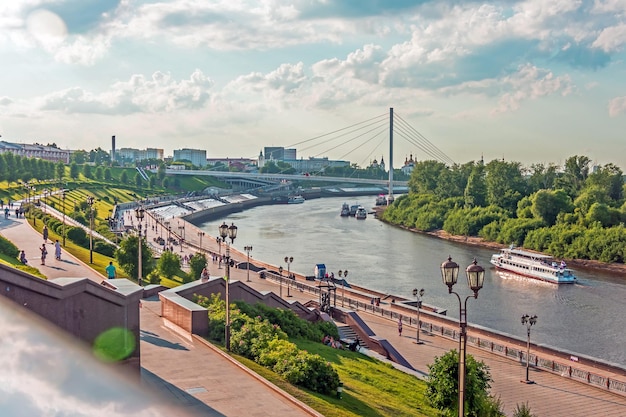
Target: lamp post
[
  {"x": 288, "y": 261},
  {"x": 45, "y": 199},
  {"x": 90, "y": 203},
  {"x": 418, "y": 294},
  {"x": 63, "y": 199},
  {"x": 528, "y": 321},
  {"x": 280, "y": 272},
  {"x": 180, "y": 233},
  {"x": 219, "y": 245},
  {"x": 139, "y": 213},
  {"x": 343, "y": 286},
  {"x": 248, "y": 249},
  {"x": 200, "y": 235},
  {"x": 167, "y": 224},
  {"x": 231, "y": 233},
  {"x": 475, "y": 279}
]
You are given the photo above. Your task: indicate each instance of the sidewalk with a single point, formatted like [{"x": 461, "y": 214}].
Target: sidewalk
[{"x": 28, "y": 239}]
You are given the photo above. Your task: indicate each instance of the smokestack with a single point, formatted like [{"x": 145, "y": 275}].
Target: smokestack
[{"x": 112, "y": 149}]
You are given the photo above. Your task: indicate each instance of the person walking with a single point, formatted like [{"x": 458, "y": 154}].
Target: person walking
[
  {"x": 44, "y": 252},
  {"x": 45, "y": 234},
  {"x": 110, "y": 270},
  {"x": 400, "y": 326},
  {"x": 57, "y": 250}
]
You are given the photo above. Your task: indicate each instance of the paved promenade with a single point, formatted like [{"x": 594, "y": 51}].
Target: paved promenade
[{"x": 201, "y": 379}]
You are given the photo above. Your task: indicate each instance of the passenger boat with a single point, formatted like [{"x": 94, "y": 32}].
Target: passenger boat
[
  {"x": 533, "y": 265},
  {"x": 381, "y": 200},
  {"x": 361, "y": 213},
  {"x": 345, "y": 210},
  {"x": 353, "y": 209},
  {"x": 296, "y": 199}
]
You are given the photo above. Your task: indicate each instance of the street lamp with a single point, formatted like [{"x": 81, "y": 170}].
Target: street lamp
[
  {"x": 288, "y": 261},
  {"x": 139, "y": 213},
  {"x": 63, "y": 199},
  {"x": 528, "y": 321},
  {"x": 219, "y": 244},
  {"x": 200, "y": 235},
  {"x": 167, "y": 224},
  {"x": 343, "y": 286},
  {"x": 90, "y": 202},
  {"x": 418, "y": 294},
  {"x": 45, "y": 199},
  {"x": 231, "y": 233},
  {"x": 180, "y": 233},
  {"x": 248, "y": 249},
  {"x": 475, "y": 279},
  {"x": 280, "y": 272}
]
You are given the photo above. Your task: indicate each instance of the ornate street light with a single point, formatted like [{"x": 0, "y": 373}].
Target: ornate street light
[
  {"x": 418, "y": 294},
  {"x": 139, "y": 214},
  {"x": 288, "y": 261},
  {"x": 231, "y": 233},
  {"x": 280, "y": 273},
  {"x": 528, "y": 321},
  {"x": 45, "y": 199},
  {"x": 343, "y": 286},
  {"x": 90, "y": 203},
  {"x": 475, "y": 279},
  {"x": 248, "y": 249}
]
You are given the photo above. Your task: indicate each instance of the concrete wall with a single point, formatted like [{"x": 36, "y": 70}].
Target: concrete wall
[{"x": 79, "y": 306}]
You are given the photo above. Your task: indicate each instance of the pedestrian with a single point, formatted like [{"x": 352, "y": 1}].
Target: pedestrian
[
  {"x": 17, "y": 213},
  {"x": 44, "y": 252},
  {"x": 6, "y": 212},
  {"x": 57, "y": 250},
  {"x": 23, "y": 257},
  {"x": 400, "y": 326},
  {"x": 204, "y": 275},
  {"x": 110, "y": 270},
  {"x": 45, "y": 234}
]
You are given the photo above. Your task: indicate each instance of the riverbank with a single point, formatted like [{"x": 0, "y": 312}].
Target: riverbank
[{"x": 611, "y": 268}]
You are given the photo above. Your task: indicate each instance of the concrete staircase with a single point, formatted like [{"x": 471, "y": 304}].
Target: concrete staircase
[{"x": 346, "y": 332}]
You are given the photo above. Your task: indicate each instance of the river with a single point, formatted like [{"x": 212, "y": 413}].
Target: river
[{"x": 586, "y": 318}]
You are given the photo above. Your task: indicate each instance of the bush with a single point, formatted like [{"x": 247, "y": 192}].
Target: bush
[
  {"x": 8, "y": 248},
  {"x": 104, "y": 248},
  {"x": 154, "y": 277},
  {"x": 78, "y": 236},
  {"x": 196, "y": 264},
  {"x": 168, "y": 263}
]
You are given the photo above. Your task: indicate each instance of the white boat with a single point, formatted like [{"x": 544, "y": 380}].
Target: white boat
[
  {"x": 353, "y": 209},
  {"x": 533, "y": 265},
  {"x": 381, "y": 200},
  {"x": 361, "y": 213},
  {"x": 345, "y": 210},
  {"x": 296, "y": 199}
]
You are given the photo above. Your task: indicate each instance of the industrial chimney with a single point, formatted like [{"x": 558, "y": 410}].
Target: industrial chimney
[{"x": 112, "y": 149}]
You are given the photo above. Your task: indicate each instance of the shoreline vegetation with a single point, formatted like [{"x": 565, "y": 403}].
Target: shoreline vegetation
[{"x": 611, "y": 268}]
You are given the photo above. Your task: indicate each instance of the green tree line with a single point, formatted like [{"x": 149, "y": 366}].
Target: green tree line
[
  {"x": 15, "y": 168},
  {"x": 574, "y": 211}
]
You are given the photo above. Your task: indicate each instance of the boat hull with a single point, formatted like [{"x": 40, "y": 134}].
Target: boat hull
[{"x": 553, "y": 275}]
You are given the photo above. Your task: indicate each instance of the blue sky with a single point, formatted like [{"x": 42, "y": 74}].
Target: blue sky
[{"x": 531, "y": 81}]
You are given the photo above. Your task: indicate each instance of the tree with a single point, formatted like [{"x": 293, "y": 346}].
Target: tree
[
  {"x": 74, "y": 170},
  {"x": 138, "y": 179},
  {"x": 168, "y": 264},
  {"x": 152, "y": 182},
  {"x": 79, "y": 157},
  {"x": 196, "y": 264},
  {"x": 87, "y": 171},
  {"x": 161, "y": 172},
  {"x": 547, "y": 205},
  {"x": 99, "y": 172},
  {"x": 127, "y": 257},
  {"x": 107, "y": 174},
  {"x": 60, "y": 170},
  {"x": 425, "y": 176},
  {"x": 476, "y": 192},
  {"x": 442, "y": 385},
  {"x": 505, "y": 184},
  {"x": 124, "y": 177}
]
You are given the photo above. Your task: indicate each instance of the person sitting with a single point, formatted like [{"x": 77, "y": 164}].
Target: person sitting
[{"x": 23, "y": 258}]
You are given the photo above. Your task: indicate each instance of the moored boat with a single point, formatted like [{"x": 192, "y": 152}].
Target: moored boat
[
  {"x": 361, "y": 213},
  {"x": 345, "y": 210},
  {"x": 296, "y": 199},
  {"x": 533, "y": 265},
  {"x": 353, "y": 209},
  {"x": 381, "y": 200}
]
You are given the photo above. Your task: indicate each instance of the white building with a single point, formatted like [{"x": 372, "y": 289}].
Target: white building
[
  {"x": 195, "y": 156},
  {"x": 48, "y": 153}
]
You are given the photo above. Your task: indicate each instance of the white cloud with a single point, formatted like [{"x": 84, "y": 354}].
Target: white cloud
[
  {"x": 531, "y": 83},
  {"x": 612, "y": 38},
  {"x": 160, "y": 93},
  {"x": 617, "y": 106}
]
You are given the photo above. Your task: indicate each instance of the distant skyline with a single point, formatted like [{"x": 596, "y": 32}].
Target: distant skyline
[{"x": 532, "y": 81}]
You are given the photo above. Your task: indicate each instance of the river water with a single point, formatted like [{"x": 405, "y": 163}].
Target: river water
[{"x": 586, "y": 318}]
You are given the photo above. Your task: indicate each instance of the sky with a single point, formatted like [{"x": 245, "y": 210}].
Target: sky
[{"x": 534, "y": 81}]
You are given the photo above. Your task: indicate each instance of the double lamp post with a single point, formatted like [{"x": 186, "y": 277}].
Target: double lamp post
[
  {"x": 475, "y": 279},
  {"x": 230, "y": 232}
]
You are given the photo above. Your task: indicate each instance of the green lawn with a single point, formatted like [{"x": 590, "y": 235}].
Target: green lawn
[{"x": 371, "y": 388}]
